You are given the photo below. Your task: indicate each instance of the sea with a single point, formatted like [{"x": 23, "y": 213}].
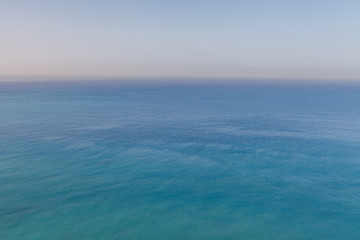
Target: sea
[{"x": 108, "y": 160}]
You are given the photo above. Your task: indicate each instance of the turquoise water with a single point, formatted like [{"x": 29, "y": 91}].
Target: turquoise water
[{"x": 111, "y": 161}]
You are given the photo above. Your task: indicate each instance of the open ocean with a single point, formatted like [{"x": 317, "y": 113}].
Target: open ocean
[{"x": 105, "y": 161}]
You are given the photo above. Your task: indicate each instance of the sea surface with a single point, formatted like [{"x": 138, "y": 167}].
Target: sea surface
[{"x": 106, "y": 160}]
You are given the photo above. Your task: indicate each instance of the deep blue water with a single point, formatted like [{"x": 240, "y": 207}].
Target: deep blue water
[{"x": 112, "y": 161}]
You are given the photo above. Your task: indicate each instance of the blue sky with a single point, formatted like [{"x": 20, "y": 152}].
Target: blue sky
[{"x": 290, "y": 39}]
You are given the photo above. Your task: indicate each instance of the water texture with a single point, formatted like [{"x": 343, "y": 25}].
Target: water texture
[{"x": 104, "y": 160}]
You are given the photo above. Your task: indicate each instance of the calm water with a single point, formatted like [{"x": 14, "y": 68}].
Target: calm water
[{"x": 110, "y": 161}]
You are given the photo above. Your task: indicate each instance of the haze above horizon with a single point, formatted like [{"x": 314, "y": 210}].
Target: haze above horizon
[{"x": 180, "y": 39}]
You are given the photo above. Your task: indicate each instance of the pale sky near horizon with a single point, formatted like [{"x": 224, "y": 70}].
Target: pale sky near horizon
[{"x": 285, "y": 39}]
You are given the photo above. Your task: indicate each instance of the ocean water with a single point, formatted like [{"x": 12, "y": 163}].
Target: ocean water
[{"x": 105, "y": 160}]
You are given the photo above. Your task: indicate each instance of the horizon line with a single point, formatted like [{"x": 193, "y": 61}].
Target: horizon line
[{"x": 173, "y": 80}]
